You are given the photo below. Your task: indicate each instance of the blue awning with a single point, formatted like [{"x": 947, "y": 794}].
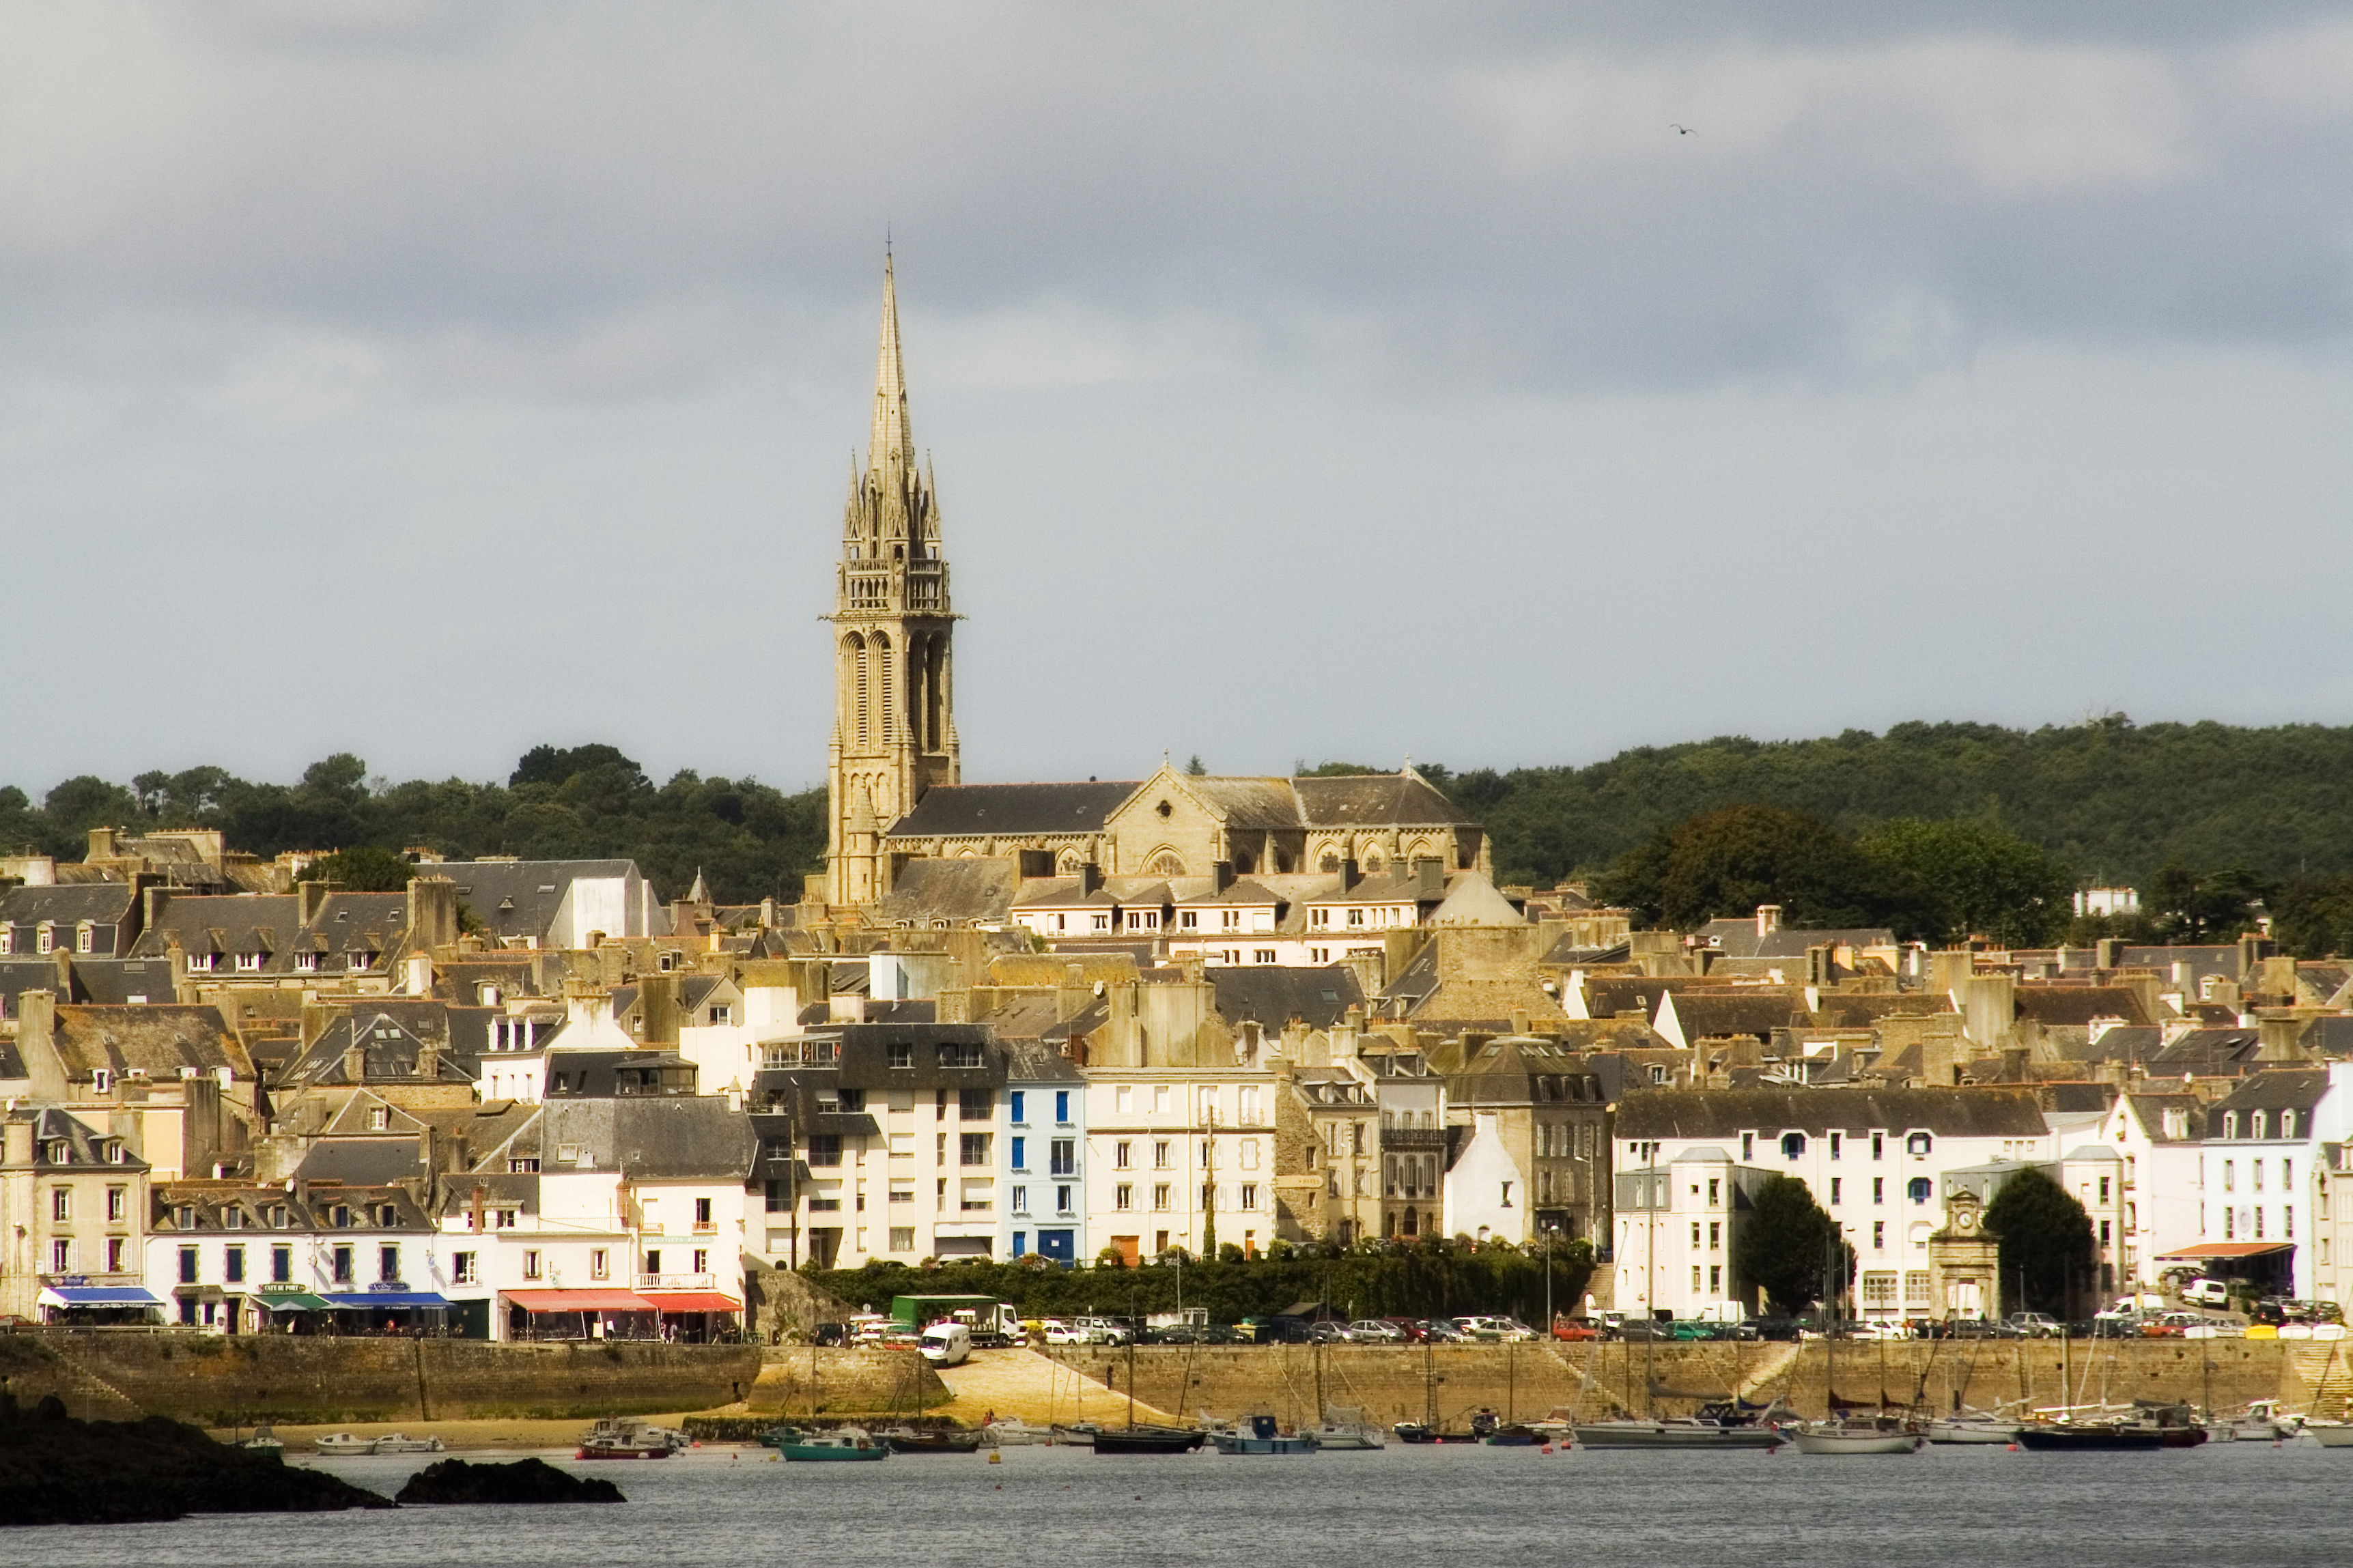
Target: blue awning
[
  {"x": 370, "y": 1302},
  {"x": 99, "y": 1296}
]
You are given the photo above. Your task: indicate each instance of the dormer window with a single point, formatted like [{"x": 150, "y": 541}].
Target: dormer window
[
  {"x": 249, "y": 963},
  {"x": 185, "y": 1217},
  {"x": 2287, "y": 1123},
  {"x": 2229, "y": 1124},
  {"x": 360, "y": 958},
  {"x": 2259, "y": 1124},
  {"x": 101, "y": 1081},
  {"x": 86, "y": 937},
  {"x": 201, "y": 962},
  {"x": 379, "y": 1119},
  {"x": 308, "y": 962},
  {"x": 1793, "y": 1145},
  {"x": 1919, "y": 1143},
  {"x": 45, "y": 938}
]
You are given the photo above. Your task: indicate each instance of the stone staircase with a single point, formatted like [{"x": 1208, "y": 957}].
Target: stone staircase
[
  {"x": 2325, "y": 1371},
  {"x": 93, "y": 1398}
]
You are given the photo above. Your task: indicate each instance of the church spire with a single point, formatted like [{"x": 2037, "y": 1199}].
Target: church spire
[{"x": 892, "y": 445}]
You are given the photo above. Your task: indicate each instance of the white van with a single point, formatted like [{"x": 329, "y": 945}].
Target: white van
[{"x": 946, "y": 1344}]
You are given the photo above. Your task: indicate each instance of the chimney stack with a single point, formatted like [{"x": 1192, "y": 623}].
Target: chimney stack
[{"x": 1768, "y": 919}]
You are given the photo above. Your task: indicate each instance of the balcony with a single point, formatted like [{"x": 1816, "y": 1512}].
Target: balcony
[
  {"x": 1414, "y": 1138},
  {"x": 678, "y": 1282}
]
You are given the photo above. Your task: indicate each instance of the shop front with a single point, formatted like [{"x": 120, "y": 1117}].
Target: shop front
[{"x": 98, "y": 1304}]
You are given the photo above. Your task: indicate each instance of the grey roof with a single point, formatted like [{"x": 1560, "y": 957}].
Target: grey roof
[
  {"x": 1387, "y": 799},
  {"x": 159, "y": 1040},
  {"x": 2275, "y": 1088},
  {"x": 1025, "y": 1063},
  {"x": 1728, "y": 1113},
  {"x": 363, "y": 1162},
  {"x": 1759, "y": 1012},
  {"x": 960, "y": 892},
  {"x": 674, "y": 1136},
  {"x": 2328, "y": 1037},
  {"x": 2150, "y": 1109},
  {"x": 1852, "y": 1010},
  {"x": 520, "y": 897},
  {"x": 624, "y": 1072},
  {"x": 2207, "y": 1050},
  {"x": 1273, "y": 995},
  {"x": 2125, "y": 1043},
  {"x": 67, "y": 905},
  {"x": 391, "y": 1031},
  {"x": 122, "y": 980},
  {"x": 51, "y": 1124},
  {"x": 968, "y": 810},
  {"x": 2080, "y": 1003},
  {"x": 1738, "y": 937}
]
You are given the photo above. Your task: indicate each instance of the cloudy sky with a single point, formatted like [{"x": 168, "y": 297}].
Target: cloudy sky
[{"x": 432, "y": 379}]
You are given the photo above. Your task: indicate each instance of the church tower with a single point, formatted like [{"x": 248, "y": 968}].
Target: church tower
[{"x": 894, "y": 723}]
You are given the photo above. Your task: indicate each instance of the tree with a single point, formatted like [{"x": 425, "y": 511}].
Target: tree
[
  {"x": 1193, "y": 768},
  {"x": 364, "y": 869},
  {"x": 2208, "y": 906},
  {"x": 1784, "y": 1244},
  {"x": 1725, "y": 863},
  {"x": 1945, "y": 882},
  {"x": 556, "y": 765},
  {"x": 2046, "y": 1242},
  {"x": 2312, "y": 916}
]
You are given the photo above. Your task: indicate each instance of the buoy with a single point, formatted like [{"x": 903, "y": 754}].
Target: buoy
[
  {"x": 2014, "y": 1447},
  {"x": 996, "y": 1456},
  {"x": 1546, "y": 1449}
]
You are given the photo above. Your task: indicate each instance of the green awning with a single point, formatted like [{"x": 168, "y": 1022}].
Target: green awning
[{"x": 294, "y": 1301}]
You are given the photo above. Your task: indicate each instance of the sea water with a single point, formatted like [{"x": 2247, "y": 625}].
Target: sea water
[{"x": 1978, "y": 1507}]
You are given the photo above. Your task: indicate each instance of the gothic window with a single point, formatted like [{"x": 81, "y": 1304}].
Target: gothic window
[
  {"x": 1282, "y": 861},
  {"x": 857, "y": 647},
  {"x": 883, "y": 686},
  {"x": 1329, "y": 864},
  {"x": 1243, "y": 863},
  {"x": 1165, "y": 863}
]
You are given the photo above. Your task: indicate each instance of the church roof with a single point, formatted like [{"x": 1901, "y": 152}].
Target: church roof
[
  {"x": 1378, "y": 798},
  {"x": 957, "y": 810}
]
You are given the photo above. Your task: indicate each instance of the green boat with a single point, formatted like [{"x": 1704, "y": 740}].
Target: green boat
[
  {"x": 777, "y": 1436},
  {"x": 842, "y": 1442}
]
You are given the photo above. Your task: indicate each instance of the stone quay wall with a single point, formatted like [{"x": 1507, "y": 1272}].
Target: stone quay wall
[
  {"x": 219, "y": 1379},
  {"x": 1529, "y": 1381}
]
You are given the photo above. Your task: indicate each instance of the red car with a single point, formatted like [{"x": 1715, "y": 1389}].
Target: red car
[{"x": 1574, "y": 1329}]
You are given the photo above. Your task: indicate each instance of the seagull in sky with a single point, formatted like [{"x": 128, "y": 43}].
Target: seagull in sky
[{"x": 1680, "y": 130}]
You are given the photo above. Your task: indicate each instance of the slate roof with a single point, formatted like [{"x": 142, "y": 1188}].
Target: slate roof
[
  {"x": 122, "y": 981},
  {"x": 2207, "y": 1050},
  {"x": 2273, "y": 1088},
  {"x": 1027, "y": 1063},
  {"x": 1387, "y": 799},
  {"x": 363, "y": 1162},
  {"x": 962, "y": 892},
  {"x": 1725, "y": 1113},
  {"x": 2329, "y": 1037},
  {"x": 969, "y": 810},
  {"x": 66, "y": 906},
  {"x": 1273, "y": 995},
  {"x": 160, "y": 1039},
  {"x": 392, "y": 1033},
  {"x": 2127, "y": 1043},
  {"x": 1758, "y": 1012},
  {"x": 1244, "y": 802},
  {"x": 1842, "y": 1010},
  {"x": 1738, "y": 937},
  {"x": 520, "y": 897},
  {"x": 2150, "y": 1109},
  {"x": 674, "y": 1136},
  {"x": 2080, "y": 1003}
]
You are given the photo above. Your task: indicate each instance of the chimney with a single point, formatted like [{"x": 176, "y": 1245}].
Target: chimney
[
  {"x": 1090, "y": 877},
  {"x": 420, "y": 974},
  {"x": 657, "y": 1008},
  {"x": 1768, "y": 919},
  {"x": 432, "y": 911},
  {"x": 1520, "y": 1022},
  {"x": 101, "y": 843},
  {"x": 428, "y": 1060},
  {"x": 1818, "y": 964},
  {"x": 16, "y": 1148},
  {"x": 1429, "y": 871},
  {"x": 310, "y": 899},
  {"x": 2108, "y": 952},
  {"x": 1349, "y": 875},
  {"x": 1223, "y": 871},
  {"x": 355, "y": 1064}
]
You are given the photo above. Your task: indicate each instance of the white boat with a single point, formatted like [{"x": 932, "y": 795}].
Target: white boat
[
  {"x": 1676, "y": 1434},
  {"x": 1855, "y": 1436},
  {"x": 2262, "y": 1422},
  {"x": 264, "y": 1441},
  {"x": 1345, "y": 1426},
  {"x": 402, "y": 1443},
  {"x": 345, "y": 1443},
  {"x": 1974, "y": 1427},
  {"x": 2330, "y": 1433},
  {"x": 1005, "y": 1433}
]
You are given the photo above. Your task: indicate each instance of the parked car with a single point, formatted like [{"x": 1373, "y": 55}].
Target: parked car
[
  {"x": 829, "y": 1334},
  {"x": 1439, "y": 1331},
  {"x": 1984, "y": 1328},
  {"x": 1771, "y": 1328},
  {"x": 2034, "y": 1325},
  {"x": 2205, "y": 1292},
  {"x": 1491, "y": 1328},
  {"x": 1375, "y": 1332},
  {"x": 1877, "y": 1331},
  {"x": 1574, "y": 1329},
  {"x": 1409, "y": 1329},
  {"x": 1327, "y": 1333},
  {"x": 1060, "y": 1331},
  {"x": 1645, "y": 1329}
]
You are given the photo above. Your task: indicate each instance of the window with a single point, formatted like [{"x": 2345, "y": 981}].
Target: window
[
  {"x": 702, "y": 1258},
  {"x": 1160, "y": 1154},
  {"x": 702, "y": 1220},
  {"x": 1919, "y": 1189},
  {"x": 117, "y": 1203},
  {"x": 1188, "y": 919},
  {"x": 972, "y": 1149},
  {"x": 1249, "y": 1194},
  {"x": 1879, "y": 1189},
  {"x": 1017, "y": 1103},
  {"x": 1716, "y": 1236},
  {"x": 1062, "y": 1107},
  {"x": 379, "y": 1119},
  {"x": 101, "y": 1081},
  {"x": 115, "y": 1246},
  {"x": 281, "y": 1264},
  {"x": 1837, "y": 1140},
  {"x": 653, "y": 1261},
  {"x": 1021, "y": 1200},
  {"x": 1505, "y": 1200},
  {"x": 2230, "y": 1175},
  {"x": 45, "y": 938},
  {"x": 2229, "y": 1124},
  {"x": 233, "y": 1265},
  {"x": 1878, "y": 1233},
  {"x": 1793, "y": 1145},
  {"x": 1694, "y": 1236},
  {"x": 187, "y": 1266},
  {"x": 1124, "y": 1099},
  {"x": 2287, "y": 1124},
  {"x": 249, "y": 963},
  {"x": 342, "y": 1265},
  {"x": 1716, "y": 1279},
  {"x": 825, "y": 1149},
  {"x": 506, "y": 1219},
  {"x": 1918, "y": 1145},
  {"x": 902, "y": 1238},
  {"x": 1878, "y": 1145},
  {"x": 387, "y": 1263},
  {"x": 1712, "y": 1189},
  {"x": 62, "y": 1203},
  {"x": 461, "y": 1269},
  {"x": 1160, "y": 1196},
  {"x": 1063, "y": 1157},
  {"x": 61, "y": 1255},
  {"x": 2104, "y": 1189},
  {"x": 1120, "y": 1152},
  {"x": 531, "y": 1262},
  {"x": 1062, "y": 1199},
  {"x": 902, "y": 1055},
  {"x": 1747, "y": 1147},
  {"x": 1836, "y": 1185},
  {"x": 961, "y": 1057},
  {"x": 902, "y": 1194},
  {"x": 719, "y": 1014},
  {"x": 1122, "y": 1196}
]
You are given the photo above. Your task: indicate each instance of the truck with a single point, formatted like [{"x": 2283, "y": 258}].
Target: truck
[{"x": 989, "y": 1321}]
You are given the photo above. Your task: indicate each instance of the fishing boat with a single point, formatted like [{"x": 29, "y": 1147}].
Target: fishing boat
[
  {"x": 1848, "y": 1434},
  {"x": 264, "y": 1441},
  {"x": 777, "y": 1436},
  {"x": 402, "y": 1443},
  {"x": 841, "y": 1443},
  {"x": 2085, "y": 1436},
  {"x": 2330, "y": 1433},
  {"x": 1256, "y": 1434},
  {"x": 1006, "y": 1432},
  {"x": 343, "y": 1444},
  {"x": 611, "y": 1438},
  {"x": 1076, "y": 1434},
  {"x": 1515, "y": 1434},
  {"x": 1343, "y": 1427},
  {"x": 917, "y": 1441}
]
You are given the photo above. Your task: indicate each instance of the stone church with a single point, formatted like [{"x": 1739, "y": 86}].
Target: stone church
[{"x": 895, "y": 792}]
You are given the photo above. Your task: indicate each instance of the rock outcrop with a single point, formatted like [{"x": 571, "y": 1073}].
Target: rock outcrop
[
  {"x": 524, "y": 1481},
  {"x": 55, "y": 1469}
]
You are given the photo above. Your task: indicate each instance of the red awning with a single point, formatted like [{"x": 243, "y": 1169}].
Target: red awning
[
  {"x": 2226, "y": 1249},
  {"x": 692, "y": 1301},
  {"x": 579, "y": 1300}
]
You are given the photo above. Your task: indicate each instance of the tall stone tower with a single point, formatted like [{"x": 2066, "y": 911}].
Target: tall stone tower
[{"x": 895, "y": 717}]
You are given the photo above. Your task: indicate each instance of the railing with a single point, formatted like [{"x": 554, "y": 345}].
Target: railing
[
  {"x": 1413, "y": 1138},
  {"x": 678, "y": 1282}
]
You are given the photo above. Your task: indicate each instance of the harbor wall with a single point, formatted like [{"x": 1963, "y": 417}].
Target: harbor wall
[
  {"x": 1599, "y": 1381},
  {"x": 114, "y": 1374}
]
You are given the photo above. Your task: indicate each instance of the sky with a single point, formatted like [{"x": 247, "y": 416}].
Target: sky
[{"x": 1493, "y": 385}]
